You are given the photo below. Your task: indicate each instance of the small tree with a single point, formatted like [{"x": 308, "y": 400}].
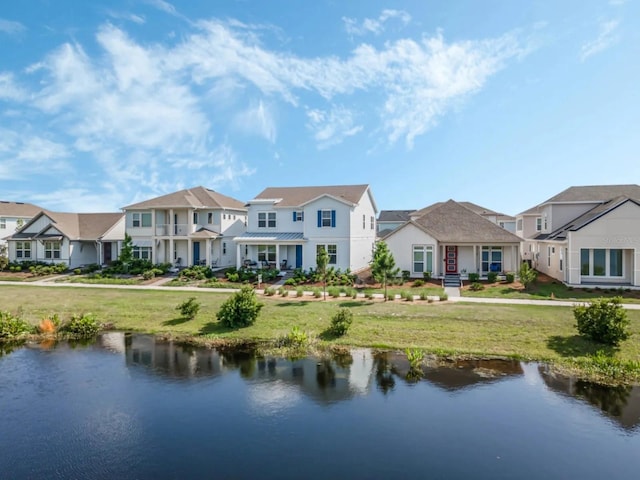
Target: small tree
[
  {"x": 341, "y": 321},
  {"x": 322, "y": 259},
  {"x": 241, "y": 310},
  {"x": 383, "y": 265},
  {"x": 126, "y": 252},
  {"x": 603, "y": 321},
  {"x": 527, "y": 275},
  {"x": 189, "y": 308}
]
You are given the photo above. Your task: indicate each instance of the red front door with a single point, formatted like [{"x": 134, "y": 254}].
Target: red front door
[{"x": 452, "y": 259}]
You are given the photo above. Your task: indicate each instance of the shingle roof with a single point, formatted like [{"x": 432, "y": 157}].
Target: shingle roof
[
  {"x": 297, "y": 196},
  {"x": 197, "y": 197},
  {"x": 474, "y": 207},
  {"x": 394, "y": 215},
  {"x": 18, "y": 209},
  {"x": 595, "y": 193},
  {"x": 532, "y": 211},
  {"x": 81, "y": 226},
  {"x": 587, "y": 217},
  {"x": 452, "y": 222}
]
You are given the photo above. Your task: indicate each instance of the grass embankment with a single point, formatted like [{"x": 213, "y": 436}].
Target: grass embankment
[{"x": 519, "y": 331}]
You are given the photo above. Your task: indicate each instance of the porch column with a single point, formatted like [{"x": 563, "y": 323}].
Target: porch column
[
  {"x": 475, "y": 259},
  {"x": 171, "y": 227},
  {"x": 99, "y": 252},
  {"x": 278, "y": 256},
  {"x": 171, "y": 257},
  {"x": 189, "y": 261},
  {"x": 238, "y": 256},
  {"x": 154, "y": 248},
  {"x": 208, "y": 254}
]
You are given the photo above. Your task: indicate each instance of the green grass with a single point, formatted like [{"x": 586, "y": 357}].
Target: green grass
[
  {"x": 544, "y": 291},
  {"x": 527, "y": 332},
  {"x": 102, "y": 281}
]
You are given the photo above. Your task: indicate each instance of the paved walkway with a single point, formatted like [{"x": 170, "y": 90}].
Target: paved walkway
[{"x": 49, "y": 282}]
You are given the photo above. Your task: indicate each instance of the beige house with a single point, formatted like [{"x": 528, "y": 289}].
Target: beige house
[
  {"x": 76, "y": 239},
  {"x": 589, "y": 235},
  {"x": 195, "y": 226},
  {"x": 448, "y": 238}
]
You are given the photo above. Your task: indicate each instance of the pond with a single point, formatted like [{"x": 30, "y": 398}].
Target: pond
[{"x": 131, "y": 406}]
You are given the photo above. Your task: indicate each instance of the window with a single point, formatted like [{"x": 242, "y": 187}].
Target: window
[
  {"x": 422, "y": 258},
  {"x": 561, "y": 260},
  {"x": 326, "y": 218},
  {"x": 224, "y": 248},
  {"x": 519, "y": 224},
  {"x": 549, "y": 253},
  {"x": 491, "y": 259},
  {"x": 143, "y": 253},
  {"x": 23, "y": 249},
  {"x": 501, "y": 224},
  {"x": 195, "y": 218},
  {"x": 538, "y": 224},
  {"x": 210, "y": 218},
  {"x": 3, "y": 223},
  {"x": 52, "y": 250},
  {"x": 266, "y": 253},
  {"x": 332, "y": 252},
  {"x": 224, "y": 216},
  {"x": 266, "y": 219},
  {"x": 545, "y": 223},
  {"x": 141, "y": 220},
  {"x": 601, "y": 262},
  {"x": 373, "y": 222},
  {"x": 364, "y": 222},
  {"x": 298, "y": 216}
]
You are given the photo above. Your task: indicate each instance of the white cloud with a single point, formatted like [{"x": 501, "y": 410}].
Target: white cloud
[
  {"x": 256, "y": 120},
  {"x": 132, "y": 17},
  {"x": 10, "y": 27},
  {"x": 374, "y": 25},
  {"x": 9, "y": 90},
  {"x": 331, "y": 127},
  {"x": 606, "y": 38},
  {"x": 25, "y": 155},
  {"x": 228, "y": 170}
]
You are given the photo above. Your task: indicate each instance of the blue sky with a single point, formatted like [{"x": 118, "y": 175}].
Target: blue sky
[{"x": 502, "y": 103}]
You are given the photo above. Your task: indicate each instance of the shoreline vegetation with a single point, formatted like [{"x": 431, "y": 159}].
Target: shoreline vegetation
[{"x": 449, "y": 330}]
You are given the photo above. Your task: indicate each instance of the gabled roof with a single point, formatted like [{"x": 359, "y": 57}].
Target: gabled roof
[
  {"x": 197, "y": 197},
  {"x": 474, "y": 207},
  {"x": 531, "y": 211},
  {"x": 18, "y": 209},
  {"x": 74, "y": 226},
  {"x": 299, "y": 196},
  {"x": 452, "y": 222},
  {"x": 595, "y": 193},
  {"x": 586, "y": 218},
  {"x": 395, "y": 215}
]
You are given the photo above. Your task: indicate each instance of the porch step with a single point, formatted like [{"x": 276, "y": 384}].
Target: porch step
[{"x": 452, "y": 280}]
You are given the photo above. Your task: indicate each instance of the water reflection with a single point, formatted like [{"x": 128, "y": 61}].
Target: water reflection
[
  {"x": 277, "y": 382},
  {"x": 621, "y": 404}
]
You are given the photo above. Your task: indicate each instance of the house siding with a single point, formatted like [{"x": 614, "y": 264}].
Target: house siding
[{"x": 401, "y": 244}]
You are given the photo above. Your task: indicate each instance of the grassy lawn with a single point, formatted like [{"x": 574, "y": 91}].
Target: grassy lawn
[
  {"x": 102, "y": 281},
  {"x": 550, "y": 291},
  {"x": 521, "y": 331}
]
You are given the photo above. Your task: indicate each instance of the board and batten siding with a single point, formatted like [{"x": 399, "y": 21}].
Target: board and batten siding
[{"x": 401, "y": 243}]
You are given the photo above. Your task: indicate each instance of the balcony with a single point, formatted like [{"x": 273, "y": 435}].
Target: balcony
[{"x": 178, "y": 230}]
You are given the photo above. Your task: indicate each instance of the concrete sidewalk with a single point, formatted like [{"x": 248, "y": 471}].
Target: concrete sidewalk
[{"x": 452, "y": 299}]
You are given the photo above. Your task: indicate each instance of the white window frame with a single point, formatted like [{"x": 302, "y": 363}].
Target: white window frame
[
  {"x": 373, "y": 222},
  {"x": 607, "y": 264},
  {"x": 3, "y": 223},
  {"x": 23, "y": 250},
  {"x": 267, "y": 253},
  {"x": 267, "y": 219},
  {"x": 210, "y": 218},
  {"x": 538, "y": 224},
  {"x": 142, "y": 253},
  {"x": 300, "y": 216},
  {"x": 52, "y": 250},
  {"x": 196, "y": 218},
  {"x": 519, "y": 224},
  {"x": 325, "y": 218},
  {"x": 490, "y": 250},
  {"x": 138, "y": 219},
  {"x": 426, "y": 251},
  {"x": 364, "y": 221}
]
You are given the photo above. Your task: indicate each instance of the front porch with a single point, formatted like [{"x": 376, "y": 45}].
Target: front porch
[
  {"x": 477, "y": 258},
  {"x": 274, "y": 250}
]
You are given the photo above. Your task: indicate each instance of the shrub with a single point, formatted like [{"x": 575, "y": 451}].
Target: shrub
[
  {"x": 84, "y": 325},
  {"x": 296, "y": 338},
  {"x": 269, "y": 291},
  {"x": 510, "y": 277},
  {"x": 233, "y": 276},
  {"x": 406, "y": 274},
  {"x": 418, "y": 283},
  {"x": 49, "y": 324},
  {"x": 341, "y": 322},
  {"x": 476, "y": 286},
  {"x": 415, "y": 356},
  {"x": 189, "y": 308},
  {"x": 444, "y": 297},
  {"x": 333, "y": 292},
  {"x": 492, "y": 277},
  {"x": 12, "y": 326},
  {"x": 317, "y": 293},
  {"x": 474, "y": 277},
  {"x": 77, "y": 271},
  {"x": 603, "y": 321},
  {"x": 148, "y": 274},
  {"x": 426, "y": 276},
  {"x": 391, "y": 297},
  {"x": 241, "y": 310},
  {"x": 291, "y": 282},
  {"x": 527, "y": 275},
  {"x": 283, "y": 292},
  {"x": 299, "y": 292}
]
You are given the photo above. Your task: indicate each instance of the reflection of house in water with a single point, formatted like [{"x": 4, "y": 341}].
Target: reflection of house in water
[
  {"x": 170, "y": 359},
  {"x": 451, "y": 376},
  {"x": 621, "y": 403}
]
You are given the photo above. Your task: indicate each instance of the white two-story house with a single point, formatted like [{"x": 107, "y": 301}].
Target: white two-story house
[
  {"x": 589, "y": 235},
  {"x": 287, "y": 226},
  {"x": 13, "y": 216},
  {"x": 195, "y": 226}
]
